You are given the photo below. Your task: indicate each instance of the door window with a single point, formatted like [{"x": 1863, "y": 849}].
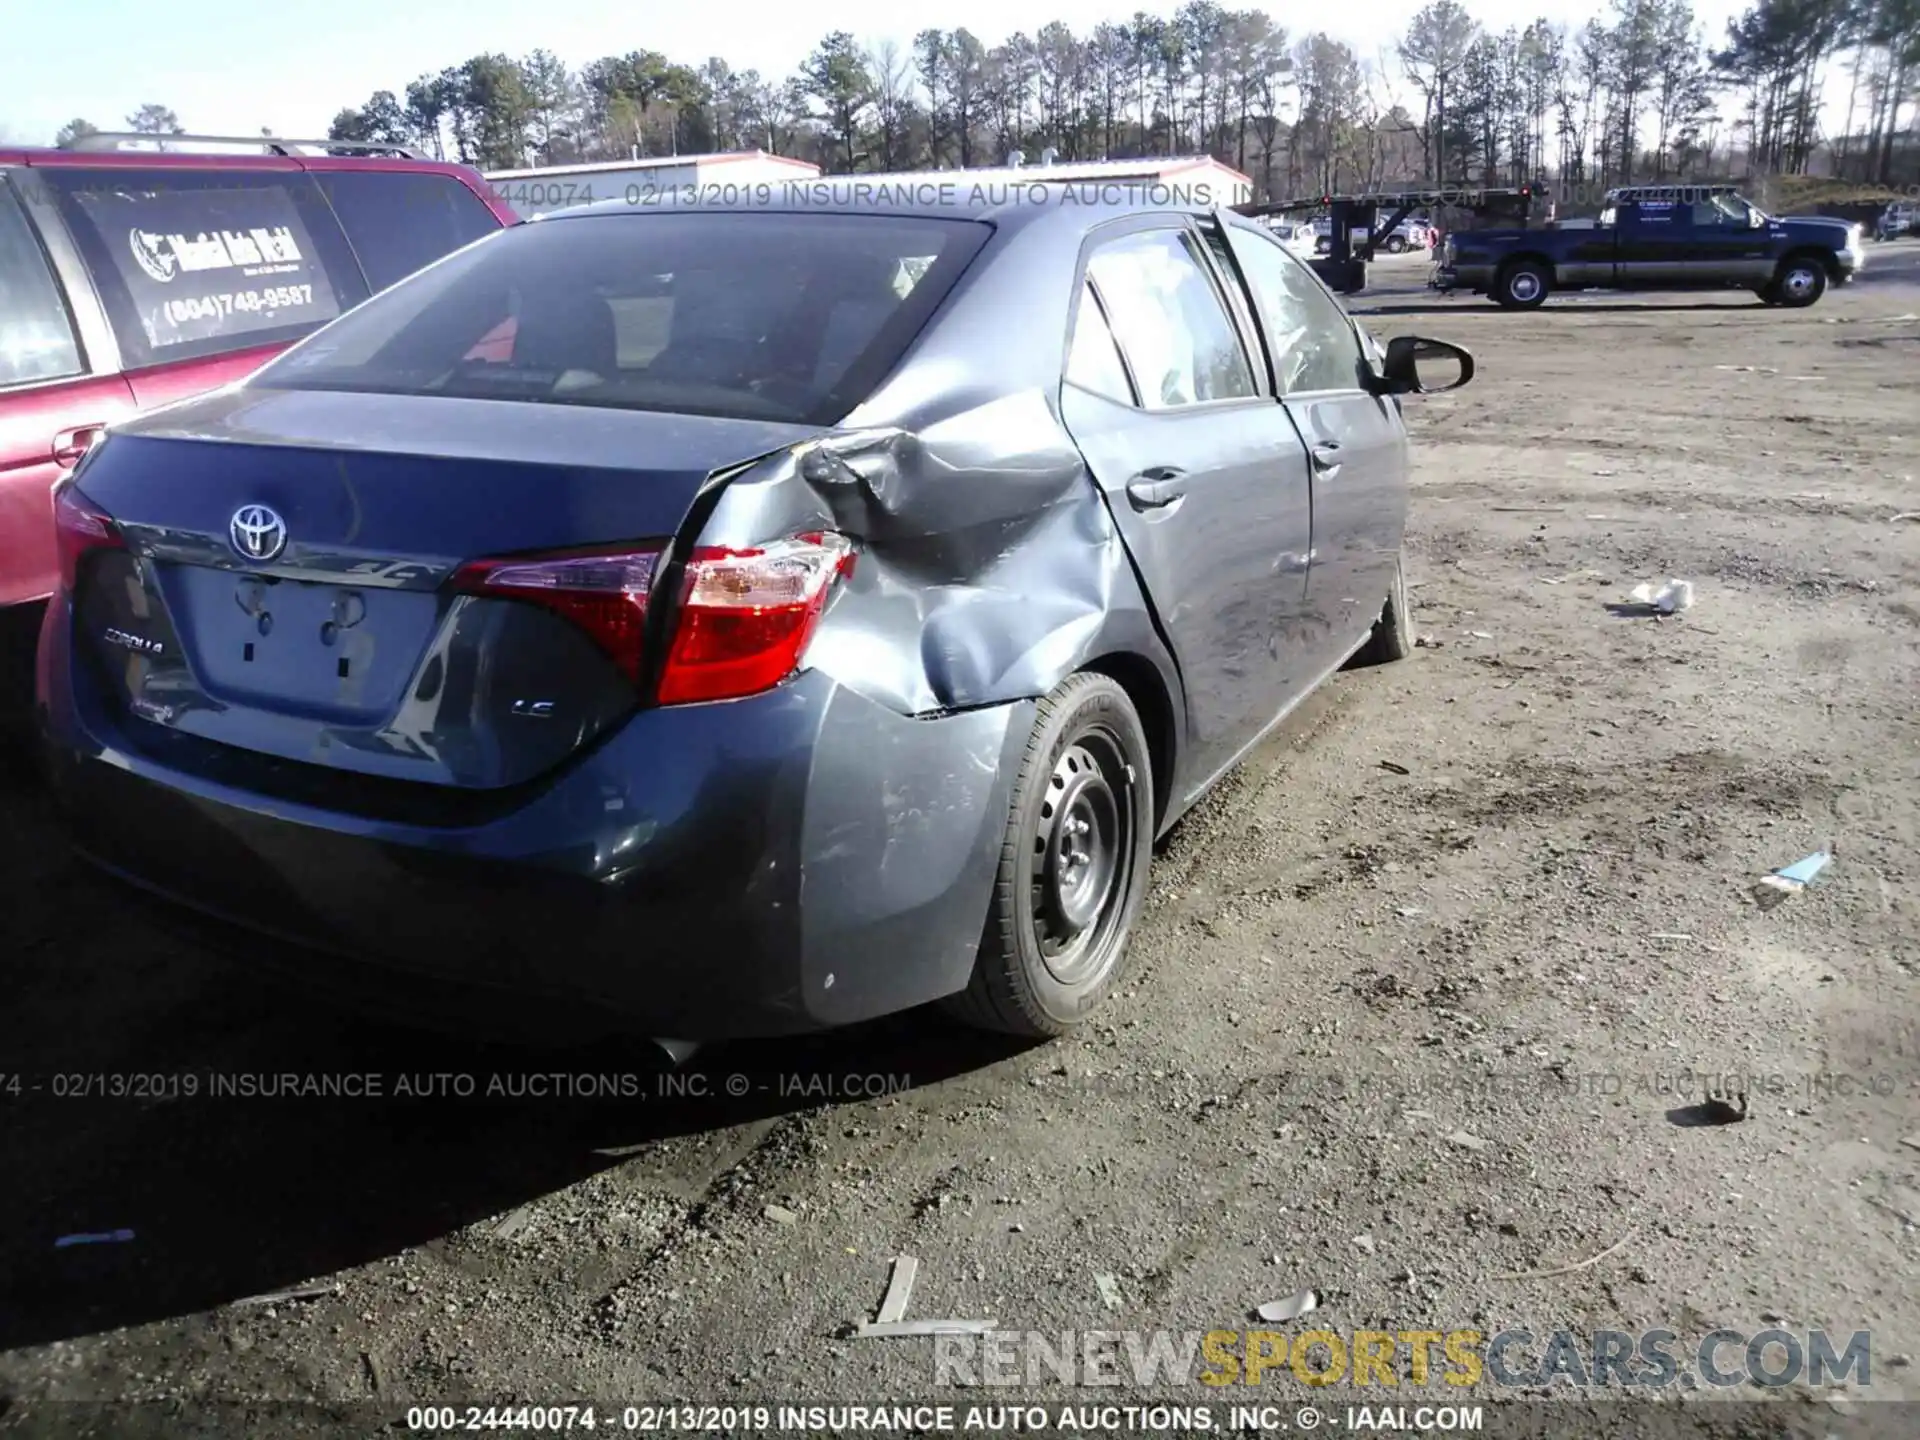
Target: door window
[
  {"x": 1169, "y": 319},
  {"x": 36, "y": 333},
  {"x": 198, "y": 263},
  {"x": 398, "y": 223},
  {"x": 1093, "y": 358},
  {"x": 1309, "y": 336}
]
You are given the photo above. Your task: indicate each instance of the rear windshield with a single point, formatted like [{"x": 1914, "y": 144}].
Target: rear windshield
[{"x": 752, "y": 315}]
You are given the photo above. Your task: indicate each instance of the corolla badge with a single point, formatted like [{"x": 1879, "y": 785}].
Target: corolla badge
[
  {"x": 257, "y": 532},
  {"x": 153, "y": 254}
]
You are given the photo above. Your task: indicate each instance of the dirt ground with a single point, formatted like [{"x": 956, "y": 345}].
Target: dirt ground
[{"x": 1420, "y": 1003}]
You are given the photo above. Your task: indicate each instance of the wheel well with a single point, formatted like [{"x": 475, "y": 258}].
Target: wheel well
[
  {"x": 1137, "y": 676},
  {"x": 1824, "y": 258},
  {"x": 1527, "y": 258}
]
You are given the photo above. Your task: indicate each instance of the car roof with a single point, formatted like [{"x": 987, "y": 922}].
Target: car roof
[{"x": 46, "y": 157}]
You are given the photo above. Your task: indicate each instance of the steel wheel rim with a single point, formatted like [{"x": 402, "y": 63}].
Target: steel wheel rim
[
  {"x": 1081, "y": 864},
  {"x": 1799, "y": 281},
  {"x": 1524, "y": 287}
]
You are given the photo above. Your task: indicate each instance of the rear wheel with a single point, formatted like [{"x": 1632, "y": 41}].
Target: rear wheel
[
  {"x": 1801, "y": 281},
  {"x": 1073, "y": 866},
  {"x": 1392, "y": 637},
  {"x": 1522, "y": 286}
]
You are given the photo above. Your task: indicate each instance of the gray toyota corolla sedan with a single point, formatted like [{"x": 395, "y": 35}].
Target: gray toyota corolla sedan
[{"x": 734, "y": 621}]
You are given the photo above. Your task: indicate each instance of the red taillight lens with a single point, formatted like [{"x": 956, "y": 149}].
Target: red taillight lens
[
  {"x": 604, "y": 593},
  {"x": 80, "y": 530},
  {"x": 746, "y": 616}
]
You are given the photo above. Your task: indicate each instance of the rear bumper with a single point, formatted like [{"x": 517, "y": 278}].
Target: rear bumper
[{"x": 803, "y": 859}]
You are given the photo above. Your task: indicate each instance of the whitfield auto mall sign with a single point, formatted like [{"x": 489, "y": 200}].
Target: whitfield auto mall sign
[{"x": 164, "y": 256}]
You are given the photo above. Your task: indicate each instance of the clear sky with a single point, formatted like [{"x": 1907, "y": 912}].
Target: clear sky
[{"x": 232, "y": 66}]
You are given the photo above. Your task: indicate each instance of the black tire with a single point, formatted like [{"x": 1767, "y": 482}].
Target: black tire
[
  {"x": 1392, "y": 638},
  {"x": 1396, "y": 245},
  {"x": 1522, "y": 286},
  {"x": 1087, "y": 761},
  {"x": 1769, "y": 293},
  {"x": 1802, "y": 280}
]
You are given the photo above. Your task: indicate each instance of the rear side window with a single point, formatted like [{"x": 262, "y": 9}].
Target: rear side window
[
  {"x": 754, "y": 315},
  {"x": 197, "y": 263},
  {"x": 399, "y": 223},
  {"x": 36, "y": 333},
  {"x": 1168, "y": 317}
]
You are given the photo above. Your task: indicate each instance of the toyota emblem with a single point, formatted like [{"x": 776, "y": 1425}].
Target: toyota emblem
[{"x": 257, "y": 532}]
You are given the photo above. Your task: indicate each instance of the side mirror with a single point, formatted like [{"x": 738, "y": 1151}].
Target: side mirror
[{"x": 1400, "y": 373}]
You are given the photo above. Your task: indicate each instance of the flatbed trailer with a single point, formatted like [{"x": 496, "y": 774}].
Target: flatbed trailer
[{"x": 1355, "y": 231}]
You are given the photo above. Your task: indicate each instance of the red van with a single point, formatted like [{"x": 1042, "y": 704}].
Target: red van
[{"x": 131, "y": 278}]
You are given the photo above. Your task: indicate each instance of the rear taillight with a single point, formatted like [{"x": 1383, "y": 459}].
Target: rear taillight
[
  {"x": 746, "y": 616},
  {"x": 604, "y": 593},
  {"x": 80, "y": 530}
]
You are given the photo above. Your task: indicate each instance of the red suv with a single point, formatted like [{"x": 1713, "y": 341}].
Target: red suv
[{"x": 132, "y": 278}]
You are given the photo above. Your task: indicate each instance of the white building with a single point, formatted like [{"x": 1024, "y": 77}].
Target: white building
[
  {"x": 1199, "y": 178},
  {"x": 560, "y": 187}
]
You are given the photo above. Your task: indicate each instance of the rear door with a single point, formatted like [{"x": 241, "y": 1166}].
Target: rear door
[
  {"x": 205, "y": 274},
  {"x": 399, "y": 221},
  {"x": 1356, "y": 444},
  {"x": 56, "y": 389},
  {"x": 1203, "y": 472},
  {"x": 1655, "y": 243}
]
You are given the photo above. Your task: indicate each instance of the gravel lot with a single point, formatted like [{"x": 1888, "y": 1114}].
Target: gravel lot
[{"x": 1432, "y": 970}]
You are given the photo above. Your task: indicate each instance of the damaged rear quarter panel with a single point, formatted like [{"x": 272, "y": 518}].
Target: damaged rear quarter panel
[{"x": 990, "y": 569}]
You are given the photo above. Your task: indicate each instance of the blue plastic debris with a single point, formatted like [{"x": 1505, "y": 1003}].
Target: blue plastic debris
[
  {"x": 1790, "y": 879},
  {"x": 110, "y": 1237}
]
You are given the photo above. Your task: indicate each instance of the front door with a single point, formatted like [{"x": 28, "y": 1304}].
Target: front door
[
  {"x": 1203, "y": 473},
  {"x": 1355, "y": 440}
]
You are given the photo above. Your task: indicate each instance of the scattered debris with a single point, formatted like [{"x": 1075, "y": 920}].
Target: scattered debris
[
  {"x": 1466, "y": 1141},
  {"x": 1427, "y": 642},
  {"x": 282, "y": 1297},
  {"x": 1674, "y": 596},
  {"x": 1407, "y": 912},
  {"x": 1528, "y": 509},
  {"x": 1668, "y": 935},
  {"x": 1291, "y": 1308},
  {"x": 1894, "y": 1210},
  {"x": 1591, "y": 1260},
  {"x": 1912, "y": 1142},
  {"x": 893, "y": 1307},
  {"x": 1395, "y": 768},
  {"x": 110, "y": 1237},
  {"x": 781, "y": 1215},
  {"x": 1480, "y": 634},
  {"x": 901, "y": 1329},
  {"x": 514, "y": 1223},
  {"x": 1790, "y": 880},
  {"x": 1908, "y": 515},
  {"x": 1365, "y": 1242},
  {"x": 1109, "y": 1288},
  {"x": 375, "y": 1380},
  {"x": 1750, "y": 369}
]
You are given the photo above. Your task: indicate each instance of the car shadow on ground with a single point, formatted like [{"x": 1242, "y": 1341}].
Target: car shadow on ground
[{"x": 252, "y": 1140}]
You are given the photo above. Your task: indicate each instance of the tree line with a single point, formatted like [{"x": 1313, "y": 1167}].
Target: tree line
[{"x": 1637, "y": 93}]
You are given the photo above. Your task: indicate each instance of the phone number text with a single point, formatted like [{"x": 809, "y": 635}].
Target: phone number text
[{"x": 189, "y": 308}]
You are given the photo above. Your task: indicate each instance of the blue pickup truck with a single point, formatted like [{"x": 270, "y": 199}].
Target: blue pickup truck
[{"x": 1662, "y": 238}]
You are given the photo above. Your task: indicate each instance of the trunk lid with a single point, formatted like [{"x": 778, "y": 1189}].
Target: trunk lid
[{"x": 336, "y": 641}]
